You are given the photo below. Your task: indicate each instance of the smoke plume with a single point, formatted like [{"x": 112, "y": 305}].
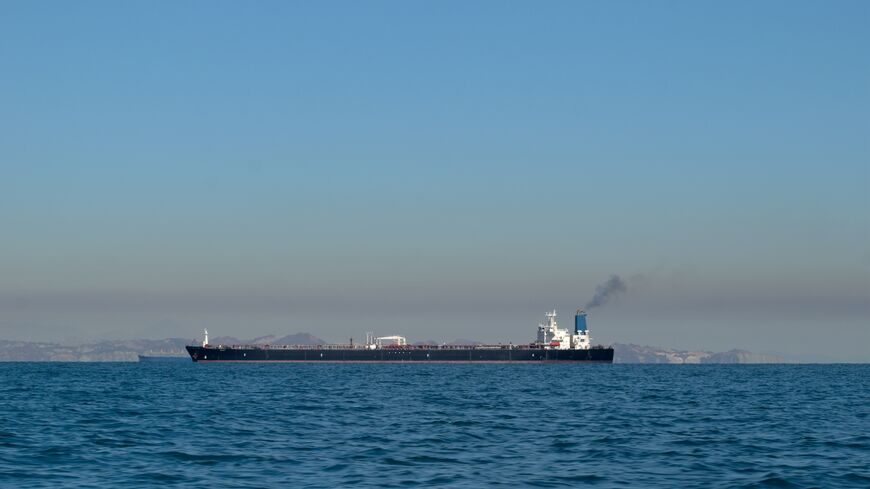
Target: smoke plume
[{"x": 606, "y": 291}]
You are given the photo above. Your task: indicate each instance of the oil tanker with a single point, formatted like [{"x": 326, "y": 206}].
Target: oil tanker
[{"x": 552, "y": 345}]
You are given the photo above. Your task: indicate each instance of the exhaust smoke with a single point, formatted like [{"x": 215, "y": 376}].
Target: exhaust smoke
[{"x": 613, "y": 287}]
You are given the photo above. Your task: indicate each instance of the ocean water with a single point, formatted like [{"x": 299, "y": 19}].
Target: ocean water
[{"x": 302, "y": 425}]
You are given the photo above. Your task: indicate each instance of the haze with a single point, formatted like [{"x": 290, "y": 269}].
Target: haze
[{"x": 438, "y": 170}]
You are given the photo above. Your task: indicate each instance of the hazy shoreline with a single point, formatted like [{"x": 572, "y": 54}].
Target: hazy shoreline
[{"x": 129, "y": 351}]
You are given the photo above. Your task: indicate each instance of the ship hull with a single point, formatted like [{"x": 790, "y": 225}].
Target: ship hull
[{"x": 399, "y": 355}]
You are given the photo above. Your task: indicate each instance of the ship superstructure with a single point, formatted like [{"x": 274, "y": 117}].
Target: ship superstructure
[
  {"x": 553, "y": 344},
  {"x": 551, "y": 335}
]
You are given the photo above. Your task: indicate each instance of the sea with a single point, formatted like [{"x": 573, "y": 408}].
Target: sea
[{"x": 110, "y": 425}]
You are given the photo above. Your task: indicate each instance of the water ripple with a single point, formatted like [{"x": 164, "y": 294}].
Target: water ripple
[{"x": 108, "y": 425}]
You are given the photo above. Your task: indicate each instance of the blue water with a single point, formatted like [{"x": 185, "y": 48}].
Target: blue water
[{"x": 298, "y": 425}]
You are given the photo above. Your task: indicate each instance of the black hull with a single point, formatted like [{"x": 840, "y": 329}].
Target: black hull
[{"x": 399, "y": 355}]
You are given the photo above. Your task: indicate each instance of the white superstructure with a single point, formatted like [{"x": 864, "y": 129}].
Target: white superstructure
[
  {"x": 550, "y": 335},
  {"x": 374, "y": 342}
]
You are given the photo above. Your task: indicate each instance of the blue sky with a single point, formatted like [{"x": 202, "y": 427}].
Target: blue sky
[{"x": 442, "y": 170}]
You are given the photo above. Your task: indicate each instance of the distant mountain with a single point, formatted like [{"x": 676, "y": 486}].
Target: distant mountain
[
  {"x": 743, "y": 356},
  {"x": 103, "y": 351},
  {"x": 631, "y": 353},
  {"x": 225, "y": 340},
  {"x": 128, "y": 350},
  {"x": 291, "y": 339},
  {"x": 299, "y": 339}
]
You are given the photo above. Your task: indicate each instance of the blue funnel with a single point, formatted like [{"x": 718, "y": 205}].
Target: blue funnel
[{"x": 580, "y": 321}]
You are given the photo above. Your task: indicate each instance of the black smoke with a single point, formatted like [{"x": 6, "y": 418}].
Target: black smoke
[{"x": 613, "y": 287}]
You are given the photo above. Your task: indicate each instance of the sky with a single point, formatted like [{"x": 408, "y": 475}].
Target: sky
[{"x": 438, "y": 169}]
